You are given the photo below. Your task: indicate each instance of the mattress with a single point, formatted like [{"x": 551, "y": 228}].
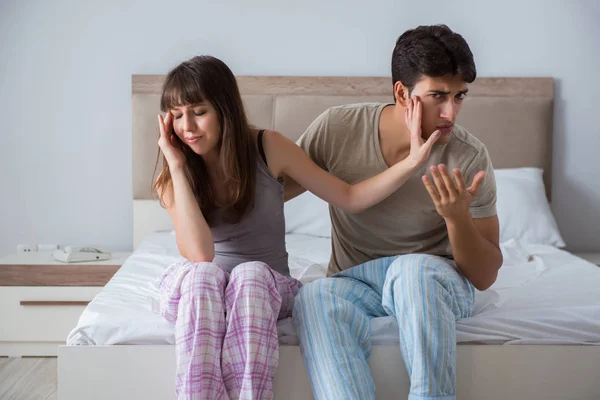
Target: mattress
[{"x": 543, "y": 295}]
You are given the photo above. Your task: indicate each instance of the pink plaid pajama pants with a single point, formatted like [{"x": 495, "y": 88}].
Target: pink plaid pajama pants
[{"x": 225, "y": 327}]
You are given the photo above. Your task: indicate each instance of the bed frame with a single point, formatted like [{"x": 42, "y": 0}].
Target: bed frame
[{"x": 512, "y": 116}]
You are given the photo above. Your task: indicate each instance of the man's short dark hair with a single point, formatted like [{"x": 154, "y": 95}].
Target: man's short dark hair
[{"x": 431, "y": 51}]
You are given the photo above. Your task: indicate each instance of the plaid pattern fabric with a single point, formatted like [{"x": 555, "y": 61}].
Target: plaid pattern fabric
[{"x": 225, "y": 327}]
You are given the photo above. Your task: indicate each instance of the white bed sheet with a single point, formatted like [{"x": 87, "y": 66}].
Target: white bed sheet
[{"x": 542, "y": 296}]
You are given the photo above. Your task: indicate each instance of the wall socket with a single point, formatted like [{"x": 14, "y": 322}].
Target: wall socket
[
  {"x": 26, "y": 248},
  {"x": 30, "y": 248}
]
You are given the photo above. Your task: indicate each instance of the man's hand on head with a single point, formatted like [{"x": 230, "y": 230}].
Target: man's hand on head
[{"x": 452, "y": 198}]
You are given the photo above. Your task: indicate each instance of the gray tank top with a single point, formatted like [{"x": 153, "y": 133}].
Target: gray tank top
[{"x": 260, "y": 235}]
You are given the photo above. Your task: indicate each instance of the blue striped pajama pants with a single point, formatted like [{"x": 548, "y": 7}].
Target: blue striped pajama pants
[{"x": 425, "y": 293}]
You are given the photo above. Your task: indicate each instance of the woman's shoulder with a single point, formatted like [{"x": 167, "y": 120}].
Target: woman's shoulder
[
  {"x": 276, "y": 138},
  {"x": 277, "y": 148}
]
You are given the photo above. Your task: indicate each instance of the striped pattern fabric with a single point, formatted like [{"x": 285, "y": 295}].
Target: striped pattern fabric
[
  {"x": 225, "y": 327},
  {"x": 332, "y": 316}
]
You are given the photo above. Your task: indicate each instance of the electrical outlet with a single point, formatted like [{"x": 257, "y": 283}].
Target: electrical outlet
[{"x": 26, "y": 248}]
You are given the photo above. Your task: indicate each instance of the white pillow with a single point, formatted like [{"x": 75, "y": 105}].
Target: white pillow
[
  {"x": 307, "y": 214},
  {"x": 523, "y": 209}
]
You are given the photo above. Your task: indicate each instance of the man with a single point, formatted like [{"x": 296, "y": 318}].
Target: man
[{"x": 420, "y": 254}]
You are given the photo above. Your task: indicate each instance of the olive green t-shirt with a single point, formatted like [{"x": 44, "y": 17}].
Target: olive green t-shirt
[{"x": 344, "y": 140}]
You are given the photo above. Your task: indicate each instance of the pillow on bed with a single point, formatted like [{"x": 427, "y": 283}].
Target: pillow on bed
[
  {"x": 307, "y": 214},
  {"x": 523, "y": 209}
]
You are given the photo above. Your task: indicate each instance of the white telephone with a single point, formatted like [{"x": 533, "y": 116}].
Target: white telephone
[{"x": 72, "y": 254}]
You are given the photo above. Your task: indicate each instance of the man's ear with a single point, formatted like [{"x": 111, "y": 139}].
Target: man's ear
[{"x": 401, "y": 94}]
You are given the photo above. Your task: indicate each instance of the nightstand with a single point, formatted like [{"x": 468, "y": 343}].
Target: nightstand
[
  {"x": 42, "y": 299},
  {"x": 594, "y": 258}
]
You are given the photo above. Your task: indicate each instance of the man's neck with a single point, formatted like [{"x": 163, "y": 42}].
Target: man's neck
[{"x": 394, "y": 136}]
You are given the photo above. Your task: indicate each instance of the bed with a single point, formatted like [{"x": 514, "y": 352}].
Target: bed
[{"x": 533, "y": 335}]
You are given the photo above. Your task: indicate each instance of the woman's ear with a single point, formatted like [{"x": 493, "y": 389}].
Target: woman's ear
[{"x": 401, "y": 94}]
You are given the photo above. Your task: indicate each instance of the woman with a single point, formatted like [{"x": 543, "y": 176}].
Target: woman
[{"x": 222, "y": 184}]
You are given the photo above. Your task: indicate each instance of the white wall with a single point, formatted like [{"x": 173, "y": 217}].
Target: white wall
[{"x": 65, "y": 69}]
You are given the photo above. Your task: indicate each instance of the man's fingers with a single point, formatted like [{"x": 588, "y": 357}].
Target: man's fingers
[
  {"x": 450, "y": 186},
  {"x": 439, "y": 183},
  {"x": 476, "y": 182},
  {"x": 460, "y": 181},
  {"x": 433, "y": 193}
]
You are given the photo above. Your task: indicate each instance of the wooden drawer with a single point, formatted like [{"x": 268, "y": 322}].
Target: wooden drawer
[{"x": 41, "y": 314}]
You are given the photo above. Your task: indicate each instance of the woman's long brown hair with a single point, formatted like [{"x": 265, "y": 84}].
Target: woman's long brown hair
[{"x": 206, "y": 78}]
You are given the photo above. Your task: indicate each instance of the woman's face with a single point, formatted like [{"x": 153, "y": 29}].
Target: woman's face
[{"x": 197, "y": 125}]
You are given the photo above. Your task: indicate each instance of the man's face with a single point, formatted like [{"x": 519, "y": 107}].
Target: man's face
[{"x": 442, "y": 98}]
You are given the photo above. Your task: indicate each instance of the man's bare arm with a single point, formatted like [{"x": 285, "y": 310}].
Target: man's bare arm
[
  {"x": 475, "y": 242},
  {"x": 475, "y": 249}
]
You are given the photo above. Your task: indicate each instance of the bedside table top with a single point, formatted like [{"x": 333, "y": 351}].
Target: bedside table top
[
  {"x": 45, "y": 258},
  {"x": 41, "y": 269}
]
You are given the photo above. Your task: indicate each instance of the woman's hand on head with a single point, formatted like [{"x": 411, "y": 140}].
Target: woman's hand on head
[
  {"x": 419, "y": 149},
  {"x": 167, "y": 142}
]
